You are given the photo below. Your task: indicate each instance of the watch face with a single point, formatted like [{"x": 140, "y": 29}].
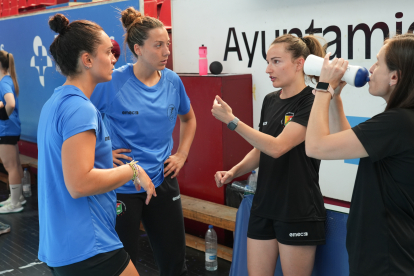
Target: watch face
[
  {"x": 232, "y": 126},
  {"x": 322, "y": 85}
]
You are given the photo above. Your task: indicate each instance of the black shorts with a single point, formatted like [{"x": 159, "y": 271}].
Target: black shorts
[
  {"x": 289, "y": 233},
  {"x": 9, "y": 140},
  {"x": 105, "y": 264}
]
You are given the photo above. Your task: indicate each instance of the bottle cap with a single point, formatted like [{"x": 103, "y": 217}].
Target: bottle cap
[
  {"x": 253, "y": 171},
  {"x": 361, "y": 77},
  {"x": 210, "y": 227},
  {"x": 25, "y": 169}
]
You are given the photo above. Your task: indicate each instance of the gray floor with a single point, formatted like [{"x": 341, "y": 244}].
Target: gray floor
[{"x": 18, "y": 249}]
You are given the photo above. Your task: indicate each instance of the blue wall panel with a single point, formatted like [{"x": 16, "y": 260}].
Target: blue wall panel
[
  {"x": 354, "y": 121},
  {"x": 28, "y": 38}
]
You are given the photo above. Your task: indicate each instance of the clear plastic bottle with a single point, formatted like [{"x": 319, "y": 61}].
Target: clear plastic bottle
[
  {"x": 252, "y": 180},
  {"x": 211, "y": 249},
  {"x": 26, "y": 184}
]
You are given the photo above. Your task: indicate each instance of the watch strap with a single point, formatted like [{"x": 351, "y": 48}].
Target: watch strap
[{"x": 330, "y": 90}]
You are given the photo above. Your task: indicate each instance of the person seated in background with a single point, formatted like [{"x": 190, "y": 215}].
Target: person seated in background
[{"x": 116, "y": 50}]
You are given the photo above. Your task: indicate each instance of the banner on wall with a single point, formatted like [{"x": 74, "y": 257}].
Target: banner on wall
[
  {"x": 28, "y": 38},
  {"x": 237, "y": 33}
]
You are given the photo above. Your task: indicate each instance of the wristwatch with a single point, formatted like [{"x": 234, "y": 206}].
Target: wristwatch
[
  {"x": 233, "y": 124},
  {"x": 323, "y": 87}
]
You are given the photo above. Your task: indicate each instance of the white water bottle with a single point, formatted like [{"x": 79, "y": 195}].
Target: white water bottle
[
  {"x": 211, "y": 249},
  {"x": 252, "y": 181},
  {"x": 26, "y": 184},
  {"x": 355, "y": 75}
]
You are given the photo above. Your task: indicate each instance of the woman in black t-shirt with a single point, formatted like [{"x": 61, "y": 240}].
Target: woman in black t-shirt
[
  {"x": 380, "y": 236},
  {"x": 287, "y": 215}
]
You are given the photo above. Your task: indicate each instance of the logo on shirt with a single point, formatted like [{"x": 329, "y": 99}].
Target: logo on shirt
[
  {"x": 130, "y": 112},
  {"x": 265, "y": 123},
  {"x": 294, "y": 235},
  {"x": 40, "y": 60},
  {"x": 288, "y": 117},
  {"x": 107, "y": 138},
  {"x": 172, "y": 113},
  {"x": 176, "y": 198},
  {"x": 120, "y": 208}
]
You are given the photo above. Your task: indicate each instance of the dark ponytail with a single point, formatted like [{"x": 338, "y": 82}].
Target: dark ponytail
[
  {"x": 302, "y": 47},
  {"x": 7, "y": 63}
]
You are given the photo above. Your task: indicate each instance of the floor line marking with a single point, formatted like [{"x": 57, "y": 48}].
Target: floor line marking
[{"x": 31, "y": 264}]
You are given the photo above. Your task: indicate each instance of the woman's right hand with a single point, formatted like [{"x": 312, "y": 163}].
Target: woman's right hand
[
  {"x": 117, "y": 154},
  {"x": 146, "y": 183},
  {"x": 223, "y": 177}
]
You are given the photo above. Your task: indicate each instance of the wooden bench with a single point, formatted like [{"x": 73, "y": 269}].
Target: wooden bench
[
  {"x": 210, "y": 213},
  {"x": 25, "y": 161}
]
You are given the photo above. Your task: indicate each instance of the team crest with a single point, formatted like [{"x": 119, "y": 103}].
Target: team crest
[
  {"x": 120, "y": 208},
  {"x": 288, "y": 117},
  {"x": 172, "y": 113}
]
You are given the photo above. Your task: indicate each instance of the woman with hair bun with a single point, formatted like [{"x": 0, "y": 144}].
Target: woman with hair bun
[
  {"x": 380, "y": 227},
  {"x": 141, "y": 105},
  {"x": 288, "y": 215},
  {"x": 10, "y": 133},
  {"x": 77, "y": 204}
]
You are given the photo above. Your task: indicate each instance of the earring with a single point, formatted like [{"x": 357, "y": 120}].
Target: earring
[{"x": 86, "y": 67}]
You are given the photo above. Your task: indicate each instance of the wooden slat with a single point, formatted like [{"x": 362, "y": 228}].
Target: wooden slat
[
  {"x": 208, "y": 212},
  {"x": 223, "y": 252},
  {"x": 26, "y": 161},
  {"x": 4, "y": 178}
]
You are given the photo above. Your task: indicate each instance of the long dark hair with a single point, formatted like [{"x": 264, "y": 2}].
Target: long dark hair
[
  {"x": 7, "y": 63},
  {"x": 73, "y": 39},
  {"x": 399, "y": 56}
]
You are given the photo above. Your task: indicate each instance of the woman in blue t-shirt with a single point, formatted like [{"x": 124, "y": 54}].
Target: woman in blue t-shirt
[
  {"x": 77, "y": 204},
  {"x": 380, "y": 228},
  {"x": 140, "y": 107},
  {"x": 10, "y": 133}
]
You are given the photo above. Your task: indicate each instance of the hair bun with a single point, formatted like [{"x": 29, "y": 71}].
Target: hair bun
[
  {"x": 129, "y": 15},
  {"x": 59, "y": 23}
]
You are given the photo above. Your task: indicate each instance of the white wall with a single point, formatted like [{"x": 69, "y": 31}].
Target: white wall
[{"x": 197, "y": 22}]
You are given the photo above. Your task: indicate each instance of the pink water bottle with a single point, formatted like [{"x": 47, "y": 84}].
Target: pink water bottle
[{"x": 202, "y": 63}]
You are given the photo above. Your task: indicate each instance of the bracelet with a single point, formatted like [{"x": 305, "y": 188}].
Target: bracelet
[{"x": 136, "y": 170}]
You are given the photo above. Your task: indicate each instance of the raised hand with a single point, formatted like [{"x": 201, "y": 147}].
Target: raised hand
[{"x": 222, "y": 111}]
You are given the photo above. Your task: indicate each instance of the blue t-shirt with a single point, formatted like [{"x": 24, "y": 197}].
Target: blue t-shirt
[
  {"x": 72, "y": 230},
  {"x": 142, "y": 118},
  {"x": 10, "y": 127}
]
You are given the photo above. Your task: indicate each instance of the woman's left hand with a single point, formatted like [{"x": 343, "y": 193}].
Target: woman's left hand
[
  {"x": 332, "y": 72},
  {"x": 222, "y": 111},
  {"x": 174, "y": 164},
  {"x": 1, "y": 104}
]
